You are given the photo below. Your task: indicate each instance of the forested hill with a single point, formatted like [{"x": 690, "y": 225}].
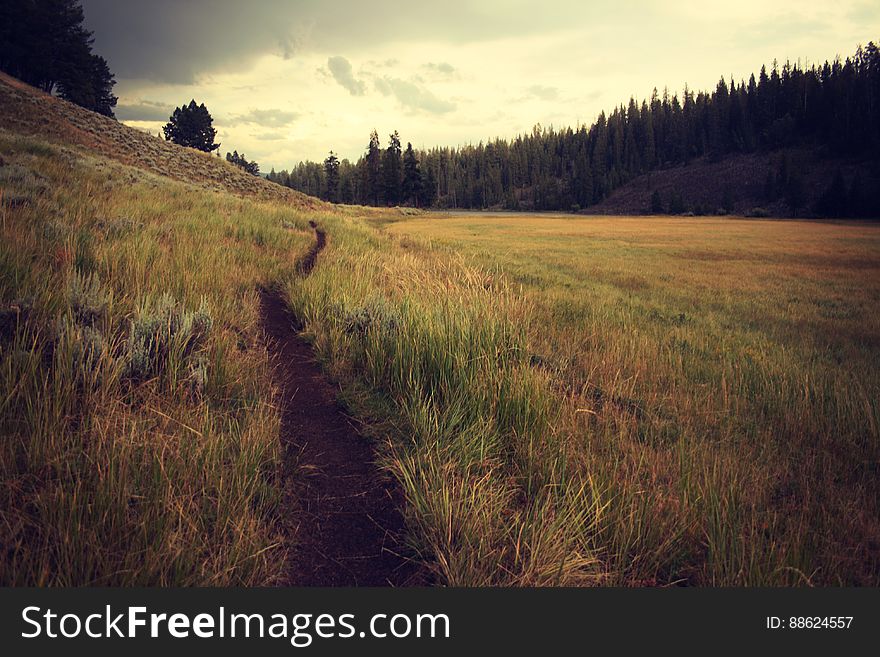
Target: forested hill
[{"x": 831, "y": 111}]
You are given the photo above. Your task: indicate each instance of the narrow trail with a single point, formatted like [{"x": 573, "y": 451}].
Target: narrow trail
[
  {"x": 342, "y": 512},
  {"x": 308, "y": 263}
]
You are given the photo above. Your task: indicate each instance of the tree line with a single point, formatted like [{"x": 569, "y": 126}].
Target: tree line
[
  {"x": 44, "y": 43},
  {"x": 835, "y": 106},
  {"x": 241, "y": 160},
  {"x": 383, "y": 176}
]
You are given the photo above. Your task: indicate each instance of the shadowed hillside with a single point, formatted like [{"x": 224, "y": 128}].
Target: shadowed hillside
[
  {"x": 746, "y": 184},
  {"x": 26, "y": 110}
]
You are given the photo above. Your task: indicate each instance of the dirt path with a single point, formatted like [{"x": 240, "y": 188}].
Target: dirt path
[
  {"x": 308, "y": 263},
  {"x": 343, "y": 511}
]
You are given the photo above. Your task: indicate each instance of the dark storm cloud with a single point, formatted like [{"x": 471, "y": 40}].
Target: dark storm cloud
[
  {"x": 174, "y": 41},
  {"x": 340, "y": 69},
  {"x": 143, "y": 111}
]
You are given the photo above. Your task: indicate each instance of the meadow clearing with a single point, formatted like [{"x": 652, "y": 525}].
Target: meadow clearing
[
  {"x": 616, "y": 400},
  {"x": 563, "y": 399}
]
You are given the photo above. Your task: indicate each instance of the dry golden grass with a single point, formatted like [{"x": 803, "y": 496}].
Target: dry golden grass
[
  {"x": 139, "y": 438},
  {"x": 719, "y": 377},
  {"x": 565, "y": 400}
]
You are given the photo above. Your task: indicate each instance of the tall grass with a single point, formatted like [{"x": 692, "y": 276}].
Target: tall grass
[
  {"x": 139, "y": 436},
  {"x": 437, "y": 360},
  {"x": 563, "y": 401},
  {"x": 720, "y": 379}
]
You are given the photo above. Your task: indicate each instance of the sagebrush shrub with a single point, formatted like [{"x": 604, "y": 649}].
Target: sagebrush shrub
[
  {"x": 376, "y": 314},
  {"x": 88, "y": 298},
  {"x": 165, "y": 333},
  {"x": 87, "y": 347}
]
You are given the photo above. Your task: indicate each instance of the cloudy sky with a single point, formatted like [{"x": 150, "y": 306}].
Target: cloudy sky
[{"x": 287, "y": 80}]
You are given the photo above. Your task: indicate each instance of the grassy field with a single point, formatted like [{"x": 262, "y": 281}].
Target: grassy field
[
  {"x": 617, "y": 400},
  {"x": 564, "y": 400}
]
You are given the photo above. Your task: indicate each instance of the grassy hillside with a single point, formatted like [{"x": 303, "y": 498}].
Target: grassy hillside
[
  {"x": 738, "y": 184},
  {"x": 28, "y": 111},
  {"x": 139, "y": 440}
]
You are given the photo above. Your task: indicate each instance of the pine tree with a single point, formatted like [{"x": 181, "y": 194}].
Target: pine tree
[
  {"x": 856, "y": 201},
  {"x": 727, "y": 202},
  {"x": 794, "y": 192},
  {"x": 412, "y": 177},
  {"x": 102, "y": 86},
  {"x": 833, "y": 202},
  {"x": 770, "y": 189},
  {"x": 429, "y": 189},
  {"x": 191, "y": 125},
  {"x": 656, "y": 203},
  {"x": 331, "y": 176},
  {"x": 347, "y": 182},
  {"x": 44, "y": 43},
  {"x": 676, "y": 203},
  {"x": 241, "y": 161},
  {"x": 583, "y": 180},
  {"x": 373, "y": 192},
  {"x": 392, "y": 170},
  {"x": 649, "y": 154}
]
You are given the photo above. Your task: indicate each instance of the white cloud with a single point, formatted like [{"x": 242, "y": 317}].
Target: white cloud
[
  {"x": 543, "y": 92},
  {"x": 340, "y": 69},
  {"x": 413, "y": 96},
  {"x": 270, "y": 118}
]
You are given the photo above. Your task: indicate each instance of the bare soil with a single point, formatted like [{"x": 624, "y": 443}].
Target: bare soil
[{"x": 343, "y": 517}]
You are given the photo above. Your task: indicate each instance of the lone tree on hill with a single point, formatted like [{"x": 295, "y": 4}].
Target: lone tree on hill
[{"x": 191, "y": 125}]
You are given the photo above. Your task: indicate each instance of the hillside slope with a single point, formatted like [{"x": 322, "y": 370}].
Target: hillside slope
[
  {"x": 740, "y": 182},
  {"x": 26, "y": 110}
]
